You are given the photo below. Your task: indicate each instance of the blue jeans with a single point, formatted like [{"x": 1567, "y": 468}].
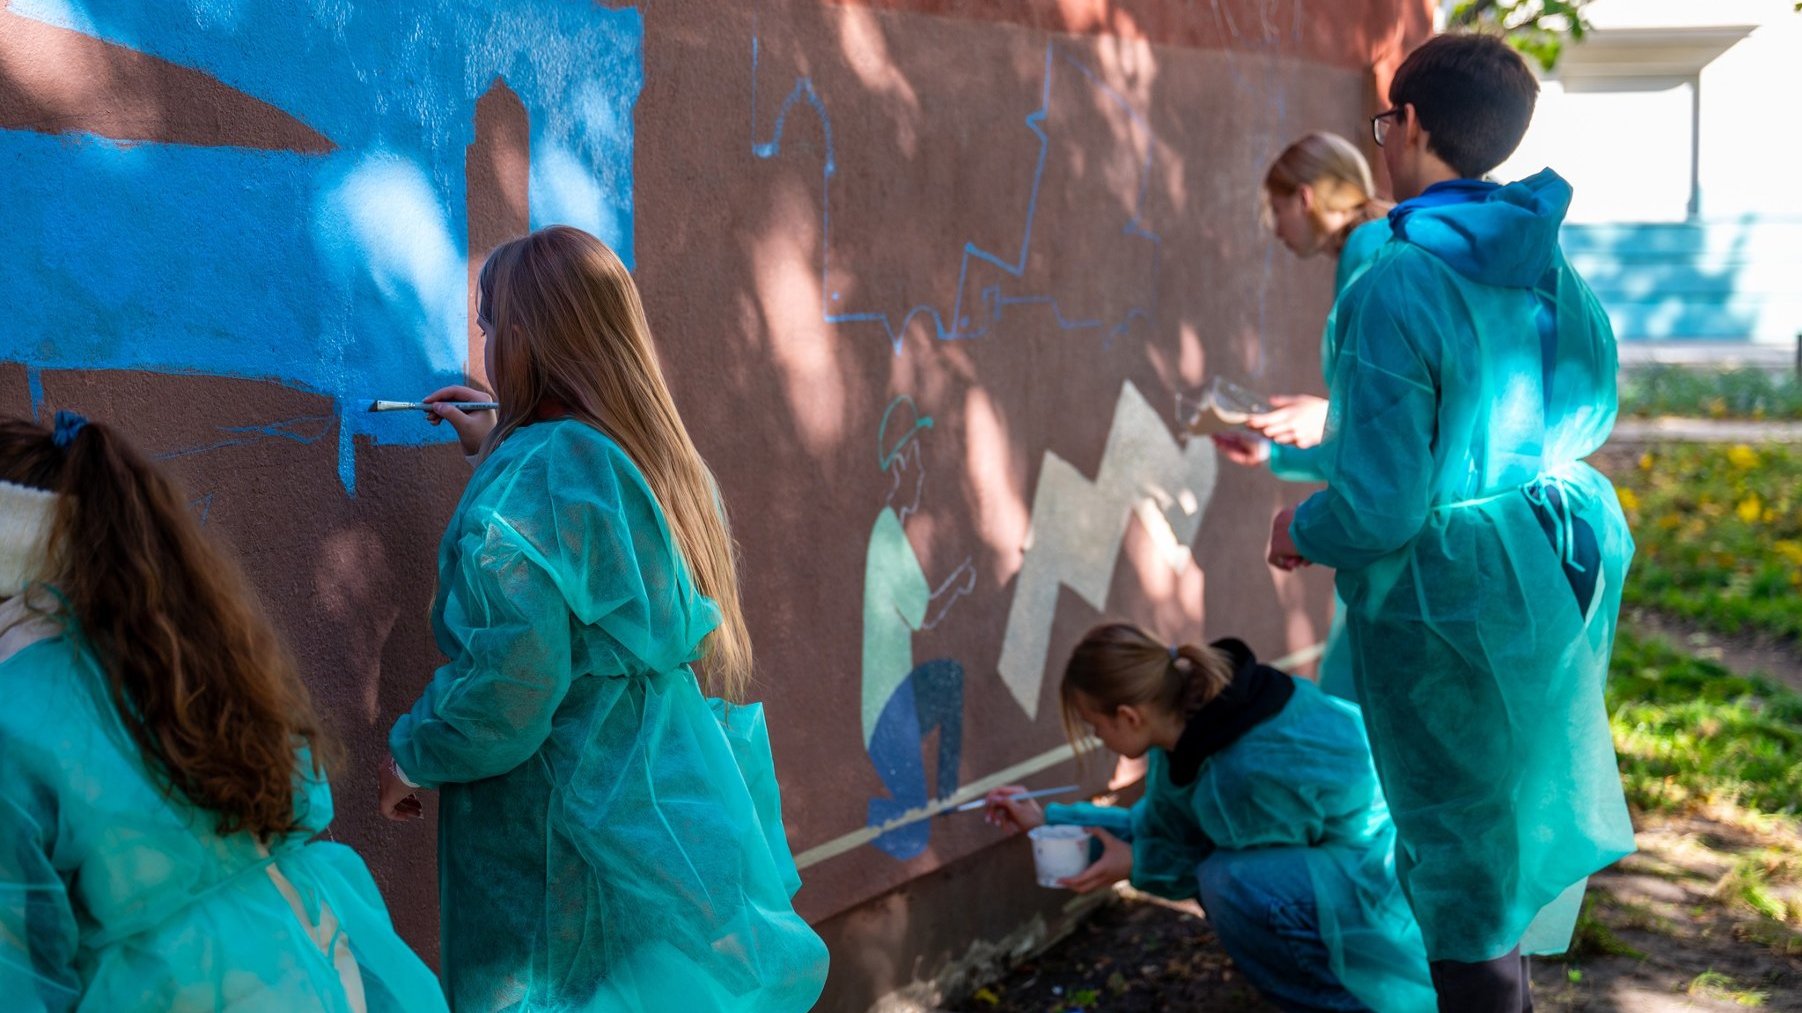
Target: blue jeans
[{"x": 1261, "y": 902}]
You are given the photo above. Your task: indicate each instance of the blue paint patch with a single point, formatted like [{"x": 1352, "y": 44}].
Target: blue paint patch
[
  {"x": 342, "y": 274},
  {"x": 931, "y": 698},
  {"x": 967, "y": 321},
  {"x": 34, "y": 382}
]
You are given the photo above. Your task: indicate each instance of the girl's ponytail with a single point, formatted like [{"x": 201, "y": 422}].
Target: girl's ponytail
[
  {"x": 1340, "y": 178},
  {"x": 1120, "y": 665},
  {"x": 209, "y": 694}
]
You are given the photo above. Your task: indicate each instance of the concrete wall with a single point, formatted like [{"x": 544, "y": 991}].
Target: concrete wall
[{"x": 926, "y": 275}]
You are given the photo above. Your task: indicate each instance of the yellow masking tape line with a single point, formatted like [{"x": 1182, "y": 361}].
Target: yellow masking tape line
[
  {"x": 969, "y": 792},
  {"x": 976, "y": 789}
]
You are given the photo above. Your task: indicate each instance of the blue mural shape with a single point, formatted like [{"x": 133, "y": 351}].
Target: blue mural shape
[
  {"x": 341, "y": 273},
  {"x": 931, "y": 699},
  {"x": 970, "y": 318}
]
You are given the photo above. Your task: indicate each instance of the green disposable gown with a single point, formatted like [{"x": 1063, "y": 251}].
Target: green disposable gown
[
  {"x": 1480, "y": 559},
  {"x": 609, "y": 839},
  {"x": 1301, "y": 464},
  {"x": 1300, "y": 779},
  {"x": 118, "y": 896}
]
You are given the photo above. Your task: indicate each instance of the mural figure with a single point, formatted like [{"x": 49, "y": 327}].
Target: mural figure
[{"x": 904, "y": 703}]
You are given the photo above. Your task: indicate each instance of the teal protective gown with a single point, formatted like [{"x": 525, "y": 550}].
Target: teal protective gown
[
  {"x": 1301, "y": 464},
  {"x": 1300, "y": 779},
  {"x": 609, "y": 839},
  {"x": 116, "y": 896},
  {"x": 1480, "y": 559}
]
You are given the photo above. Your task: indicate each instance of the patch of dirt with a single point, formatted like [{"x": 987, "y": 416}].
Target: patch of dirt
[
  {"x": 1776, "y": 658},
  {"x": 1139, "y": 954},
  {"x": 1662, "y": 902},
  {"x": 1659, "y": 910}
]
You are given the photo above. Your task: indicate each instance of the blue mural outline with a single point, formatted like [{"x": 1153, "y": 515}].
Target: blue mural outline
[{"x": 993, "y": 298}]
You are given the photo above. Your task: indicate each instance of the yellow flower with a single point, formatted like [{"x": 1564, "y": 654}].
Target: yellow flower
[
  {"x": 1742, "y": 457},
  {"x": 1717, "y": 407},
  {"x": 1629, "y": 499},
  {"x": 1789, "y": 549},
  {"x": 1751, "y": 509},
  {"x": 1645, "y": 461}
]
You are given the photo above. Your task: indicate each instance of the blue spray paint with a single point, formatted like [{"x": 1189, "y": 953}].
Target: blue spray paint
[
  {"x": 342, "y": 274},
  {"x": 994, "y": 299}
]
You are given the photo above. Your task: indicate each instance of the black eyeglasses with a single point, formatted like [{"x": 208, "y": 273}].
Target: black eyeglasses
[{"x": 1379, "y": 124}]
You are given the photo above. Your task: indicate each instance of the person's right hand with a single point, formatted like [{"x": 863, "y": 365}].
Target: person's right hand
[
  {"x": 1243, "y": 448},
  {"x": 1006, "y": 811},
  {"x": 1297, "y": 420},
  {"x": 398, "y": 800},
  {"x": 472, "y": 427}
]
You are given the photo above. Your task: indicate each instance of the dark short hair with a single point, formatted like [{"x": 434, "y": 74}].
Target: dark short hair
[{"x": 1474, "y": 96}]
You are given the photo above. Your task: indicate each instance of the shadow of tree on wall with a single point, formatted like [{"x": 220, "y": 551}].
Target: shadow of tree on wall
[{"x": 865, "y": 155}]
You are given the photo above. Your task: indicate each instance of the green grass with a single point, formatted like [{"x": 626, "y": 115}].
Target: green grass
[
  {"x": 1707, "y": 393},
  {"x": 1720, "y": 535},
  {"x": 1715, "y": 985},
  {"x": 1689, "y": 733}
]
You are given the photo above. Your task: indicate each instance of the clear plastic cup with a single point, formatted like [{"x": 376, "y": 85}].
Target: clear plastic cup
[{"x": 1059, "y": 852}]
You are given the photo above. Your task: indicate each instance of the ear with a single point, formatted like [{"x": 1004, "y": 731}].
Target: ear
[
  {"x": 1129, "y": 717},
  {"x": 1412, "y": 132},
  {"x": 1305, "y": 194}
]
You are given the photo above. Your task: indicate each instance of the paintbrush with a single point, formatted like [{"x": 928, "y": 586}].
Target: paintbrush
[
  {"x": 421, "y": 406},
  {"x": 1041, "y": 793}
]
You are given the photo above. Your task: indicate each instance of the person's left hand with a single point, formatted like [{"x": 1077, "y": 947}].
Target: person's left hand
[
  {"x": 1298, "y": 420},
  {"x": 1114, "y": 865},
  {"x": 1283, "y": 554},
  {"x": 398, "y": 801}
]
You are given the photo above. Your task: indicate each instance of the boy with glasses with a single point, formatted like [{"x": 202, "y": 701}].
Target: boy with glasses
[{"x": 1479, "y": 557}]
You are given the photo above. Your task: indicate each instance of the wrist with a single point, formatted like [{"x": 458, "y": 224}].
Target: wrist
[{"x": 399, "y": 774}]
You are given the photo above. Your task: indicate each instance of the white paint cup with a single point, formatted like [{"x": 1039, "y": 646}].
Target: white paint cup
[{"x": 1059, "y": 852}]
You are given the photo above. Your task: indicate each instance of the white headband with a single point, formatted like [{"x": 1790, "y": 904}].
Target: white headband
[{"x": 25, "y": 518}]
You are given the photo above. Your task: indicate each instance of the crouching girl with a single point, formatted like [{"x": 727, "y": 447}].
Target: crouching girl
[{"x": 1260, "y": 801}]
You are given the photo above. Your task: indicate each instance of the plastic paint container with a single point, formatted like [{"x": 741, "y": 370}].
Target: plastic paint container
[{"x": 1059, "y": 852}]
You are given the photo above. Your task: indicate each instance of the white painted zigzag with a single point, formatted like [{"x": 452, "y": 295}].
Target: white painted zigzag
[{"x": 1078, "y": 526}]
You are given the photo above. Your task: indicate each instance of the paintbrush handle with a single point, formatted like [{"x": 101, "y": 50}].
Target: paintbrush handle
[
  {"x": 420, "y": 406},
  {"x": 1041, "y": 793}
]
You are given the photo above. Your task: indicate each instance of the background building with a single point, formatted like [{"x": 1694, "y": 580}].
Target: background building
[{"x": 1675, "y": 122}]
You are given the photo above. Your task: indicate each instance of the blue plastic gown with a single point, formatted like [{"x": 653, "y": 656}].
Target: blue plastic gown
[
  {"x": 1479, "y": 558},
  {"x": 609, "y": 839},
  {"x": 1303, "y": 778},
  {"x": 1300, "y": 464},
  {"x": 116, "y": 896}
]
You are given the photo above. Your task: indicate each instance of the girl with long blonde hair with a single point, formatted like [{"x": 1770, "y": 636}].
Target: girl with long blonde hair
[
  {"x": 161, "y": 783},
  {"x": 609, "y": 838}
]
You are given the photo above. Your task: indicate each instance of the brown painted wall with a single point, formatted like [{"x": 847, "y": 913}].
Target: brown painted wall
[{"x": 1087, "y": 169}]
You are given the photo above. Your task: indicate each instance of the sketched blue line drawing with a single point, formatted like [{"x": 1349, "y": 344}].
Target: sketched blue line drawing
[
  {"x": 992, "y": 301},
  {"x": 305, "y": 430}
]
